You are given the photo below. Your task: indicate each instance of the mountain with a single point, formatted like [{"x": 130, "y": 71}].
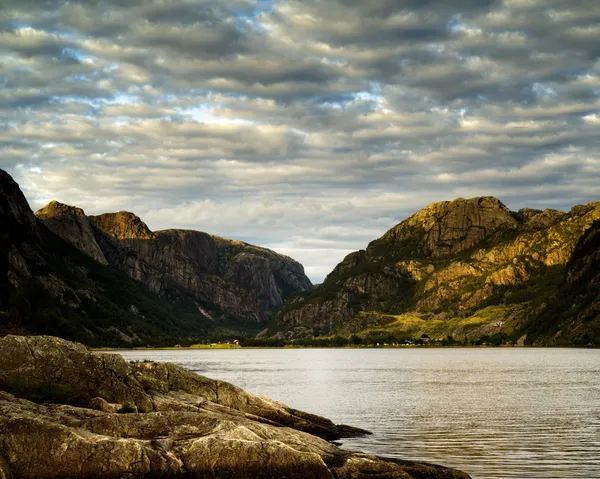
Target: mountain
[
  {"x": 467, "y": 270},
  {"x": 470, "y": 269},
  {"x": 109, "y": 280},
  {"x": 226, "y": 278}
]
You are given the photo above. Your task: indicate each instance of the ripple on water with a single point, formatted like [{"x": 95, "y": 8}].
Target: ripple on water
[{"x": 494, "y": 413}]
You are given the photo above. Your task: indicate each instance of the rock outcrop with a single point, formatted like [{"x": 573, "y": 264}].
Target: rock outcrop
[
  {"x": 123, "y": 225},
  {"x": 449, "y": 227},
  {"x": 465, "y": 268},
  {"x": 58, "y": 420}
]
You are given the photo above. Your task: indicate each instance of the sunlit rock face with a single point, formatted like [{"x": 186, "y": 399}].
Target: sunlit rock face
[
  {"x": 71, "y": 224},
  {"x": 122, "y": 225},
  {"x": 443, "y": 265},
  {"x": 450, "y": 227}
]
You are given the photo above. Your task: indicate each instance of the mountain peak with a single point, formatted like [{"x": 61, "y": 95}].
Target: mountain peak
[
  {"x": 478, "y": 202},
  {"x": 12, "y": 201},
  {"x": 449, "y": 227},
  {"x": 72, "y": 225},
  {"x": 56, "y": 208},
  {"x": 122, "y": 225}
]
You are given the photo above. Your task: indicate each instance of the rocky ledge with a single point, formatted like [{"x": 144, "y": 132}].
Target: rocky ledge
[{"x": 68, "y": 413}]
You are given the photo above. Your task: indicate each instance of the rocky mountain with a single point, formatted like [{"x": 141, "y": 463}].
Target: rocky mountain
[
  {"x": 226, "y": 278},
  {"x": 48, "y": 286},
  {"x": 109, "y": 280},
  {"x": 468, "y": 268},
  {"x": 66, "y": 413}
]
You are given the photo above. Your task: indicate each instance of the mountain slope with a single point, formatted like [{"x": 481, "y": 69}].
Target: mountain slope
[
  {"x": 62, "y": 275},
  {"x": 50, "y": 287},
  {"x": 226, "y": 279},
  {"x": 465, "y": 268}
]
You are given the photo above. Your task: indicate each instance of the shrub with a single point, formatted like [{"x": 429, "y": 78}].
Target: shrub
[{"x": 128, "y": 408}]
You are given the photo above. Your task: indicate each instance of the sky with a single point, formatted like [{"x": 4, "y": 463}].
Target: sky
[{"x": 310, "y": 127}]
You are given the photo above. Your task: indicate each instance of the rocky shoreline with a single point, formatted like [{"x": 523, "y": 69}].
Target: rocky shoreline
[{"x": 68, "y": 413}]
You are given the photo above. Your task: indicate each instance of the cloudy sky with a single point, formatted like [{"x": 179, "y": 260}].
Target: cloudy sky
[{"x": 310, "y": 126}]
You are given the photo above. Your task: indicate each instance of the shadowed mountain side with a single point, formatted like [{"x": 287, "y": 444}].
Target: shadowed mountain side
[
  {"x": 572, "y": 314},
  {"x": 49, "y": 286}
]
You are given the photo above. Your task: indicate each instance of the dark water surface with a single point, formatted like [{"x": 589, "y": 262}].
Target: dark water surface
[{"x": 494, "y": 413}]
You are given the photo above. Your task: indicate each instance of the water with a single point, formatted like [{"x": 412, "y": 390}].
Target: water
[{"x": 494, "y": 413}]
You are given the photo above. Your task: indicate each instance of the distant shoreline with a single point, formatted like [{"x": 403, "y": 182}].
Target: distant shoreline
[{"x": 412, "y": 346}]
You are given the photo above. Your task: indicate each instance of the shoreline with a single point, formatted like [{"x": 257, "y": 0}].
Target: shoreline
[
  {"x": 66, "y": 412},
  {"x": 208, "y": 348}
]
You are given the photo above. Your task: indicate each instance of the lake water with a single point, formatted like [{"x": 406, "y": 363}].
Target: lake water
[{"x": 494, "y": 413}]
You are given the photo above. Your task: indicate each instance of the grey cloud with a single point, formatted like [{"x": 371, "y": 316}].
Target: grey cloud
[{"x": 312, "y": 127}]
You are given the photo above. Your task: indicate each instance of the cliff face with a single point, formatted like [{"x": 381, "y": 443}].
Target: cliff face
[
  {"x": 18, "y": 234},
  {"x": 226, "y": 278},
  {"x": 466, "y": 268},
  {"x": 447, "y": 228}
]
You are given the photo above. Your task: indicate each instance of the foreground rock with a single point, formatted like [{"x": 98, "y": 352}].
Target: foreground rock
[{"x": 58, "y": 419}]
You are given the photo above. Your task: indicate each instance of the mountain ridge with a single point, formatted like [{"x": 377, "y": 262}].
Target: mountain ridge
[
  {"x": 240, "y": 279},
  {"x": 61, "y": 275},
  {"x": 467, "y": 270},
  {"x": 437, "y": 271}
]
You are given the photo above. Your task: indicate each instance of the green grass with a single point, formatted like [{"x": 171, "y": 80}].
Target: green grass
[{"x": 413, "y": 325}]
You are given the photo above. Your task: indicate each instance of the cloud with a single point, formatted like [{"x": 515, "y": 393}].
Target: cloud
[{"x": 307, "y": 126}]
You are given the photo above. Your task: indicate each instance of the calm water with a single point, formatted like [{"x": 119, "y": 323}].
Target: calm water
[{"x": 494, "y": 413}]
